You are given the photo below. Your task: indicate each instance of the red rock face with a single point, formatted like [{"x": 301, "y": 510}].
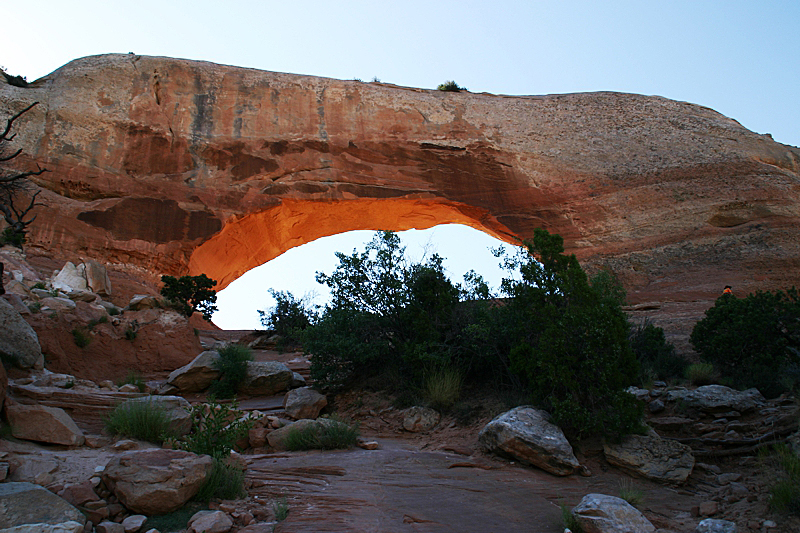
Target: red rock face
[{"x": 187, "y": 167}]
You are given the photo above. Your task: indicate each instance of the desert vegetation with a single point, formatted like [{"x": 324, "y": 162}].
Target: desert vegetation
[{"x": 188, "y": 294}]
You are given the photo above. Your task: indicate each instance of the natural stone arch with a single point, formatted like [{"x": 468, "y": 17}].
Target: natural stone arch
[{"x": 252, "y": 240}]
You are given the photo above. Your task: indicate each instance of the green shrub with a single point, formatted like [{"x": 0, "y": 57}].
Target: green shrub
[
  {"x": 215, "y": 430},
  {"x": 225, "y": 482},
  {"x": 785, "y": 494},
  {"x": 133, "y": 378},
  {"x": 701, "y": 374},
  {"x": 35, "y": 307},
  {"x": 188, "y": 294},
  {"x": 143, "y": 420},
  {"x": 16, "y": 81},
  {"x": 12, "y": 237},
  {"x": 569, "y": 521},
  {"x": 629, "y": 493},
  {"x": 752, "y": 340},
  {"x": 656, "y": 356},
  {"x": 450, "y": 86},
  {"x": 442, "y": 387},
  {"x": 176, "y": 521},
  {"x": 332, "y": 435},
  {"x": 93, "y": 322},
  {"x": 232, "y": 365},
  {"x": 39, "y": 285},
  {"x": 81, "y": 338},
  {"x": 288, "y": 318},
  {"x": 281, "y": 509},
  {"x": 130, "y": 333}
]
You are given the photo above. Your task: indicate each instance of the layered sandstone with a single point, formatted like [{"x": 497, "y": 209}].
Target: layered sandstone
[{"x": 178, "y": 166}]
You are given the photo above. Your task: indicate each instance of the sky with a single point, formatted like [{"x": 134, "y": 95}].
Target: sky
[{"x": 741, "y": 58}]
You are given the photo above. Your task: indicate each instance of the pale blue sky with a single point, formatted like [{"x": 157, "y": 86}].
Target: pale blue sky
[{"x": 741, "y": 58}]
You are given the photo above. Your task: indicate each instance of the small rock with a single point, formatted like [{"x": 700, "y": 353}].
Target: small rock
[
  {"x": 304, "y": 402},
  {"x": 416, "y": 419},
  {"x": 124, "y": 445},
  {"x": 109, "y": 527},
  {"x": 210, "y": 522},
  {"x": 367, "y": 444},
  {"x": 710, "y": 525},
  {"x": 724, "y": 479},
  {"x": 656, "y": 406},
  {"x": 709, "y": 508},
  {"x": 600, "y": 513},
  {"x": 129, "y": 387}
]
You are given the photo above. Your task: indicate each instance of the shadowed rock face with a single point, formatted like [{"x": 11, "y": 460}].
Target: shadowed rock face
[{"x": 178, "y": 166}]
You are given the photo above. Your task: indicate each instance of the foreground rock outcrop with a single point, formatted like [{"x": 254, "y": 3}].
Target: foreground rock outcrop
[{"x": 176, "y": 166}]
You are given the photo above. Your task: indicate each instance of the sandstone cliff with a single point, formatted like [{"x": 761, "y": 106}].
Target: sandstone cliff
[{"x": 178, "y": 166}]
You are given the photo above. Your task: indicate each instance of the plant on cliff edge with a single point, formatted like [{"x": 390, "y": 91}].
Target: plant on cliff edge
[
  {"x": 188, "y": 294},
  {"x": 451, "y": 86}
]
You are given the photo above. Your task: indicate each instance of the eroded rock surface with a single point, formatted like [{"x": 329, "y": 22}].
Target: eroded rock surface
[
  {"x": 43, "y": 424},
  {"x": 304, "y": 402},
  {"x": 600, "y": 513},
  {"x": 19, "y": 343},
  {"x": 196, "y": 376},
  {"x": 177, "y": 166},
  {"x": 265, "y": 378},
  {"x": 652, "y": 457},
  {"x": 26, "y": 503}
]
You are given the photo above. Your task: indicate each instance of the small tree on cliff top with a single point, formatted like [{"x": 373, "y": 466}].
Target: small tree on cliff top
[{"x": 188, "y": 294}]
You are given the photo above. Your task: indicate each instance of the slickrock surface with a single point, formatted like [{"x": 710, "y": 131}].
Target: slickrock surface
[{"x": 175, "y": 166}]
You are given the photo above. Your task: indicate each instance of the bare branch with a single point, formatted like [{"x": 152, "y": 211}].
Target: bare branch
[{"x": 4, "y": 136}]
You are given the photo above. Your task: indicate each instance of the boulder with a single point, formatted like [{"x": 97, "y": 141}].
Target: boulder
[
  {"x": 82, "y": 296},
  {"x": 140, "y": 302},
  {"x": 416, "y": 419},
  {"x": 19, "y": 343},
  {"x": 26, "y": 503},
  {"x": 304, "y": 402},
  {"x": 196, "y": 376},
  {"x": 79, "y": 493},
  {"x": 70, "y": 278},
  {"x": 19, "y": 288},
  {"x": 297, "y": 380},
  {"x": 134, "y": 523},
  {"x": 16, "y": 302},
  {"x": 712, "y": 525},
  {"x": 156, "y": 481},
  {"x": 97, "y": 278},
  {"x": 176, "y": 408},
  {"x": 57, "y": 303},
  {"x": 3, "y": 386},
  {"x": 277, "y": 438},
  {"x": 650, "y": 456},
  {"x": 210, "y": 522},
  {"x": 599, "y": 513},
  {"x": 265, "y": 378},
  {"x": 718, "y": 398},
  {"x": 43, "y": 424},
  {"x": 527, "y": 435}
]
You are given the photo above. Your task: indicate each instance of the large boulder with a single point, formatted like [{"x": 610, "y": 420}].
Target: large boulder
[
  {"x": 599, "y": 513},
  {"x": 266, "y": 378},
  {"x": 277, "y": 438},
  {"x": 156, "y": 481},
  {"x": 43, "y": 424},
  {"x": 19, "y": 344},
  {"x": 718, "y": 398},
  {"x": 652, "y": 457},
  {"x": 25, "y": 503},
  {"x": 196, "y": 376},
  {"x": 304, "y": 402},
  {"x": 97, "y": 278},
  {"x": 70, "y": 278},
  {"x": 176, "y": 408},
  {"x": 527, "y": 435}
]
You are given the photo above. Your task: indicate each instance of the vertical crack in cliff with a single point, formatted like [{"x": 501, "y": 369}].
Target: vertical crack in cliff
[
  {"x": 155, "y": 84},
  {"x": 323, "y": 134}
]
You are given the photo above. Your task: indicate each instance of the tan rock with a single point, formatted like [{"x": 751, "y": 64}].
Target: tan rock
[
  {"x": 140, "y": 302},
  {"x": 26, "y": 503},
  {"x": 652, "y": 457},
  {"x": 257, "y": 437},
  {"x": 416, "y": 419},
  {"x": 196, "y": 376},
  {"x": 304, "y": 402},
  {"x": 43, "y": 424},
  {"x": 19, "y": 343},
  {"x": 70, "y": 279},
  {"x": 156, "y": 481},
  {"x": 210, "y": 522},
  {"x": 97, "y": 278},
  {"x": 599, "y": 513},
  {"x": 265, "y": 378},
  {"x": 79, "y": 493},
  {"x": 134, "y": 523}
]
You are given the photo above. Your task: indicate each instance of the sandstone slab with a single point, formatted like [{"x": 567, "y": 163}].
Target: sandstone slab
[
  {"x": 265, "y": 378},
  {"x": 718, "y": 398},
  {"x": 70, "y": 278},
  {"x": 43, "y": 424},
  {"x": 156, "y": 481},
  {"x": 19, "y": 344},
  {"x": 527, "y": 435},
  {"x": 70, "y": 526},
  {"x": 198, "y": 375},
  {"x": 26, "y": 503},
  {"x": 663, "y": 460},
  {"x": 599, "y": 513},
  {"x": 97, "y": 279}
]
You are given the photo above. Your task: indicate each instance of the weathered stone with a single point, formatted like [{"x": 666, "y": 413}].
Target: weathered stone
[
  {"x": 70, "y": 278},
  {"x": 134, "y": 523},
  {"x": 196, "y": 376},
  {"x": 140, "y": 302},
  {"x": 297, "y": 380},
  {"x": 718, "y": 398},
  {"x": 26, "y": 503},
  {"x": 652, "y": 457},
  {"x": 304, "y": 402},
  {"x": 19, "y": 344},
  {"x": 65, "y": 527},
  {"x": 416, "y": 419},
  {"x": 109, "y": 527},
  {"x": 711, "y": 525},
  {"x": 708, "y": 508},
  {"x": 79, "y": 493},
  {"x": 277, "y": 437},
  {"x": 175, "y": 407},
  {"x": 527, "y": 435},
  {"x": 82, "y": 296},
  {"x": 43, "y": 424},
  {"x": 156, "y": 481},
  {"x": 265, "y": 378},
  {"x": 257, "y": 437},
  {"x": 19, "y": 289},
  {"x": 16, "y": 302},
  {"x": 568, "y": 162},
  {"x": 210, "y": 522},
  {"x": 599, "y": 513},
  {"x": 97, "y": 278},
  {"x": 58, "y": 304}
]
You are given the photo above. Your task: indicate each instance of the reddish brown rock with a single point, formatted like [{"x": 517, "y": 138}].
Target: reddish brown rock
[
  {"x": 175, "y": 166},
  {"x": 43, "y": 424}
]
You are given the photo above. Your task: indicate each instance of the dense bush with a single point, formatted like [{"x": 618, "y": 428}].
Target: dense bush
[
  {"x": 754, "y": 340},
  {"x": 146, "y": 420},
  {"x": 215, "y": 430},
  {"x": 450, "y": 86},
  {"x": 225, "y": 482},
  {"x": 289, "y": 318},
  {"x": 327, "y": 434},
  {"x": 188, "y": 294},
  {"x": 232, "y": 366},
  {"x": 656, "y": 356}
]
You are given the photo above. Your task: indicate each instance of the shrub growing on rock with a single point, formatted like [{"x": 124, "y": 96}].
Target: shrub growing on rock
[
  {"x": 754, "y": 340},
  {"x": 450, "y": 86},
  {"x": 146, "y": 421},
  {"x": 215, "y": 430},
  {"x": 232, "y": 365}
]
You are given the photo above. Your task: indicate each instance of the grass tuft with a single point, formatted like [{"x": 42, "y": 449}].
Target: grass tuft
[
  {"x": 143, "y": 420},
  {"x": 629, "y": 493},
  {"x": 443, "y": 387},
  {"x": 225, "y": 482},
  {"x": 701, "y": 374},
  {"x": 281, "y": 509},
  {"x": 569, "y": 520},
  {"x": 232, "y": 365},
  {"x": 333, "y": 435},
  {"x": 81, "y": 338}
]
